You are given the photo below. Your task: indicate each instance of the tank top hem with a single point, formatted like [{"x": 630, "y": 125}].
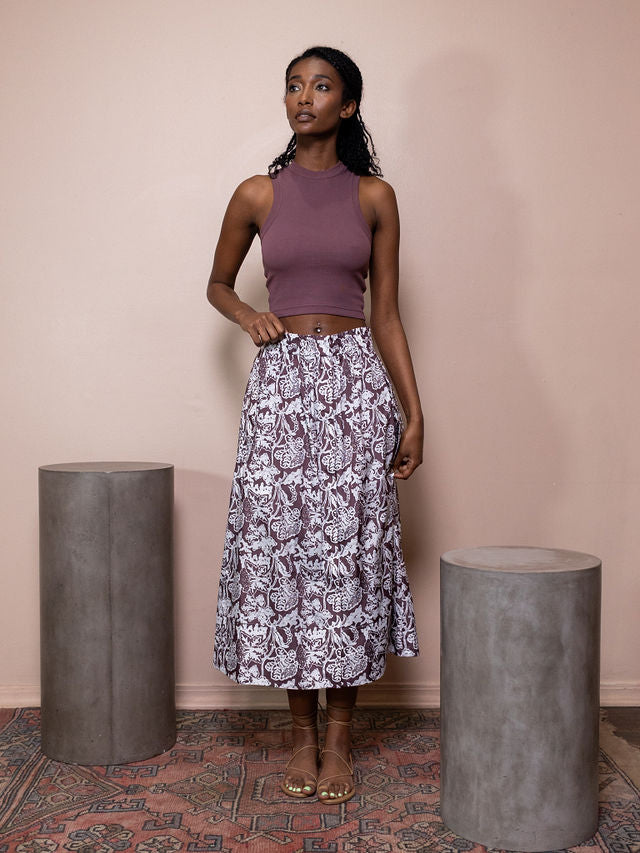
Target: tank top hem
[{"x": 336, "y": 310}]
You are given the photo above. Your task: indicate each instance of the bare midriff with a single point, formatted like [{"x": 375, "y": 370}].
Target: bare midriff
[{"x": 319, "y": 324}]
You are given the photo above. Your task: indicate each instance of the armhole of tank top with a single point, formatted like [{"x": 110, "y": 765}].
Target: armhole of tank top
[
  {"x": 268, "y": 222},
  {"x": 356, "y": 203}
]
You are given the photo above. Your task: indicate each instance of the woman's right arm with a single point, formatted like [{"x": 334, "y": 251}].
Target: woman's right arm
[{"x": 247, "y": 209}]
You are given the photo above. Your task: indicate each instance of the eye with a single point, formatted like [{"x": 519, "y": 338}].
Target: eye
[
  {"x": 293, "y": 87},
  {"x": 322, "y": 86}
]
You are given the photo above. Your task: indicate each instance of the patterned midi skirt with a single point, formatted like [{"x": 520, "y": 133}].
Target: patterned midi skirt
[{"x": 313, "y": 588}]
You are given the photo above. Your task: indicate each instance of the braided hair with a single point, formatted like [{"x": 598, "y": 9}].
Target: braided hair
[{"x": 354, "y": 145}]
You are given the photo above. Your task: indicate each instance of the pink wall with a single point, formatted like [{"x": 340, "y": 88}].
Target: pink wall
[{"x": 510, "y": 131}]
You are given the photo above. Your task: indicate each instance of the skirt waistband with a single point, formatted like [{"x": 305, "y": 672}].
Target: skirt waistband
[
  {"x": 345, "y": 332},
  {"x": 359, "y": 337}
]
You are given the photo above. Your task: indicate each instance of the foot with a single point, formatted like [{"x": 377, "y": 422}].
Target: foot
[
  {"x": 335, "y": 781},
  {"x": 300, "y": 776}
]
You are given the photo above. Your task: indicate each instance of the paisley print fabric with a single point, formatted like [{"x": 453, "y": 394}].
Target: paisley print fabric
[{"x": 313, "y": 588}]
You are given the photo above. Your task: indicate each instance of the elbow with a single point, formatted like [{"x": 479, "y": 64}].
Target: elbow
[{"x": 213, "y": 291}]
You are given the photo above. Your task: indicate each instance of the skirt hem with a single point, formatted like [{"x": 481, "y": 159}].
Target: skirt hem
[{"x": 408, "y": 653}]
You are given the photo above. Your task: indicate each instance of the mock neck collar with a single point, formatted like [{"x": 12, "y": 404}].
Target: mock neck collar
[{"x": 338, "y": 169}]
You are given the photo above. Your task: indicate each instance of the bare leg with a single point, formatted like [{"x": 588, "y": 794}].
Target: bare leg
[
  {"x": 335, "y": 783},
  {"x": 301, "y": 773}
]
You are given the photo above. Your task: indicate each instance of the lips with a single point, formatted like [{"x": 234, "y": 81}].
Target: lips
[{"x": 304, "y": 115}]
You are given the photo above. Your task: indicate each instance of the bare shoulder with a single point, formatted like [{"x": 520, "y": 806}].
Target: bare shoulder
[
  {"x": 254, "y": 189},
  {"x": 252, "y": 199},
  {"x": 378, "y": 202},
  {"x": 376, "y": 191}
]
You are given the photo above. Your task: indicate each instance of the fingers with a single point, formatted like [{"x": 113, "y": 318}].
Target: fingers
[
  {"x": 404, "y": 466},
  {"x": 406, "y": 461},
  {"x": 266, "y": 328}
]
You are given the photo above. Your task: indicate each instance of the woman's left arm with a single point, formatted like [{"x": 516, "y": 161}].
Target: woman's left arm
[{"x": 381, "y": 208}]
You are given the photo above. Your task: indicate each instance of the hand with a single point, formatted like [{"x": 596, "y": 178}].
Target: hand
[
  {"x": 262, "y": 326},
  {"x": 409, "y": 454}
]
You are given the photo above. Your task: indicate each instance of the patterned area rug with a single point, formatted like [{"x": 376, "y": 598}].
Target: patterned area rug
[{"x": 218, "y": 790}]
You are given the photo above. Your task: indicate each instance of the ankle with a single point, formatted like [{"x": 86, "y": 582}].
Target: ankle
[
  {"x": 340, "y": 716},
  {"x": 338, "y": 738},
  {"x": 304, "y": 721}
]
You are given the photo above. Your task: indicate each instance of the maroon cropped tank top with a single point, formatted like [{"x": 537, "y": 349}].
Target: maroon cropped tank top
[{"x": 316, "y": 243}]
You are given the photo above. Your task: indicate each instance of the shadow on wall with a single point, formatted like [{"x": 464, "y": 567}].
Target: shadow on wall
[
  {"x": 494, "y": 453},
  {"x": 200, "y": 516},
  {"x": 202, "y": 503}
]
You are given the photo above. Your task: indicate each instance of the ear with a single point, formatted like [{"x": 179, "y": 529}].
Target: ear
[{"x": 348, "y": 109}]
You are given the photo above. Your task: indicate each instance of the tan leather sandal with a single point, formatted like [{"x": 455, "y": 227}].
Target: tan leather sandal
[
  {"x": 301, "y": 793},
  {"x": 325, "y": 796}
]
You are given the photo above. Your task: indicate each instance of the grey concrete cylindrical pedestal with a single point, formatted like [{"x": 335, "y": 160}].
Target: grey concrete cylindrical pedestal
[
  {"x": 520, "y": 668},
  {"x": 106, "y": 604}
]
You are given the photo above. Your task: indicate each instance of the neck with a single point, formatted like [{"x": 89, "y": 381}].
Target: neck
[{"x": 316, "y": 154}]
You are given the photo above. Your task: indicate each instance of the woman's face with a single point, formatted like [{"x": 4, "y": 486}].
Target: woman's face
[{"x": 314, "y": 98}]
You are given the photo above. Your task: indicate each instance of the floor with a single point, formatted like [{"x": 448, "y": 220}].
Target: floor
[
  {"x": 217, "y": 789},
  {"x": 626, "y": 723}
]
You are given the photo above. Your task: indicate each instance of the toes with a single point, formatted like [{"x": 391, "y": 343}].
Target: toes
[
  {"x": 335, "y": 790},
  {"x": 298, "y": 785}
]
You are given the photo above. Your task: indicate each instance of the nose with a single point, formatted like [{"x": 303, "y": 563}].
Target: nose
[{"x": 305, "y": 96}]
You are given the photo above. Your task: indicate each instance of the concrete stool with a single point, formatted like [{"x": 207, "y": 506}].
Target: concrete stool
[
  {"x": 520, "y": 670},
  {"x": 107, "y": 666}
]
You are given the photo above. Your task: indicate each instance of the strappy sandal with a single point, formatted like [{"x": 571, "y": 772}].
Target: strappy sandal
[
  {"x": 301, "y": 794},
  {"x": 325, "y": 796}
]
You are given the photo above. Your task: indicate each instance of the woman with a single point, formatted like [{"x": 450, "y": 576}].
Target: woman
[{"x": 313, "y": 589}]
